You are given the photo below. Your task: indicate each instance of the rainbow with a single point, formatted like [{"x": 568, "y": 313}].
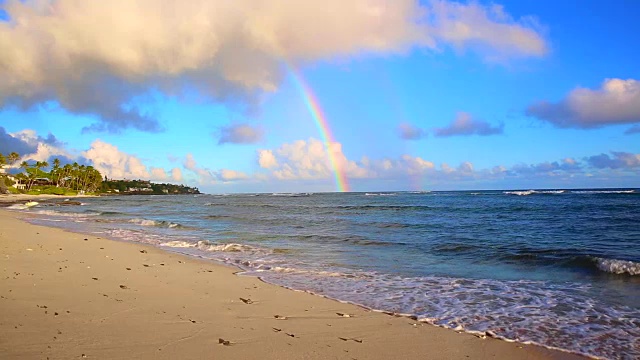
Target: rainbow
[{"x": 342, "y": 184}]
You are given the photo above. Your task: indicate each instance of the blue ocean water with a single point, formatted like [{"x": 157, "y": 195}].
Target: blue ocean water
[{"x": 560, "y": 268}]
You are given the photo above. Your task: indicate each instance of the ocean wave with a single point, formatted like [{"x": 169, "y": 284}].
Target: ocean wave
[
  {"x": 619, "y": 267},
  {"x": 67, "y": 214},
  {"x": 157, "y": 223},
  {"x": 587, "y": 192},
  {"x": 208, "y": 246},
  {"x": 292, "y": 194},
  {"x": 531, "y": 192},
  {"x": 17, "y": 207},
  {"x": 380, "y": 194},
  {"x": 572, "y": 258}
]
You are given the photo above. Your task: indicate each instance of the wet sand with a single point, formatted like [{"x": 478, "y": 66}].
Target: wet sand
[{"x": 66, "y": 296}]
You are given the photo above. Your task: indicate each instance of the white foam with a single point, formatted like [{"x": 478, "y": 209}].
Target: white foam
[
  {"x": 603, "y": 191},
  {"x": 291, "y": 194},
  {"x": 519, "y": 193},
  {"x": 232, "y": 247},
  {"x": 17, "y": 207},
  {"x": 66, "y": 214},
  {"x": 146, "y": 222},
  {"x": 143, "y": 222},
  {"x": 178, "y": 244},
  {"x": 615, "y": 266},
  {"x": 530, "y": 192}
]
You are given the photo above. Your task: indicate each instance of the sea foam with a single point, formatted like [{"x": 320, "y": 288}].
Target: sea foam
[{"x": 615, "y": 266}]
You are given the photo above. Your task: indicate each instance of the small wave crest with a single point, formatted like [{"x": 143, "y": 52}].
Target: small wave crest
[
  {"x": 213, "y": 247},
  {"x": 619, "y": 267},
  {"x": 588, "y": 192},
  {"x": 157, "y": 223},
  {"x": 17, "y": 207},
  {"x": 531, "y": 192},
  {"x": 67, "y": 214},
  {"x": 292, "y": 194}
]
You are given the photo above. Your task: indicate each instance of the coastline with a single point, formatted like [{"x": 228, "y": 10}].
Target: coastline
[{"x": 63, "y": 296}]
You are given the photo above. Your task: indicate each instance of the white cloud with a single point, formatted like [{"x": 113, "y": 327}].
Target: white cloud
[
  {"x": 176, "y": 174},
  {"x": 158, "y": 174},
  {"x": 189, "y": 162},
  {"x": 266, "y": 159},
  {"x": 464, "y": 124},
  {"x": 620, "y": 160},
  {"x": 616, "y": 102},
  {"x": 113, "y": 163},
  {"x": 100, "y": 57},
  {"x": 306, "y": 160},
  {"x": 231, "y": 175},
  {"x": 204, "y": 176},
  {"x": 116, "y": 164},
  {"x": 30, "y": 146},
  {"x": 488, "y": 28}
]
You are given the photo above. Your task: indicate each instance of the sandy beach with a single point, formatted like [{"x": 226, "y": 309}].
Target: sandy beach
[{"x": 65, "y": 296}]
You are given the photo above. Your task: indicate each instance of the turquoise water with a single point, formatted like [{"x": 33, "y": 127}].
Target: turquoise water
[{"x": 560, "y": 268}]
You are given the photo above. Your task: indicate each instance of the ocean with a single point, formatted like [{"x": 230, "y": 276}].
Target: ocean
[{"x": 559, "y": 268}]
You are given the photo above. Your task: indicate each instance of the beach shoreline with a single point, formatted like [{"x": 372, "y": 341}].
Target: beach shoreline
[{"x": 68, "y": 295}]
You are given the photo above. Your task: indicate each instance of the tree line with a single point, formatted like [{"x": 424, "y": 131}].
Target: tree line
[{"x": 74, "y": 177}]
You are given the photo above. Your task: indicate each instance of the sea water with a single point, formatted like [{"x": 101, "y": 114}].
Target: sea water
[{"x": 559, "y": 268}]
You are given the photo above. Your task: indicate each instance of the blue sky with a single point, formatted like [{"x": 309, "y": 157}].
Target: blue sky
[{"x": 418, "y": 95}]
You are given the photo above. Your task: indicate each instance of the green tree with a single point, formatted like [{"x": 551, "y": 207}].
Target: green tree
[
  {"x": 55, "y": 172},
  {"x": 13, "y": 158},
  {"x": 30, "y": 174}
]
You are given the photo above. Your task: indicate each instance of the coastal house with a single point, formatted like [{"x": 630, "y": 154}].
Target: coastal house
[
  {"x": 17, "y": 183},
  {"x": 43, "y": 181}
]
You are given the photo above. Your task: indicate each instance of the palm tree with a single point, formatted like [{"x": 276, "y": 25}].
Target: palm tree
[
  {"x": 30, "y": 175},
  {"x": 13, "y": 158},
  {"x": 55, "y": 172}
]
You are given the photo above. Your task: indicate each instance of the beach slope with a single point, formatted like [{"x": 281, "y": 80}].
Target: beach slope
[{"x": 68, "y": 296}]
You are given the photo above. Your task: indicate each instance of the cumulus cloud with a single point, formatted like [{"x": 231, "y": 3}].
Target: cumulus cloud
[
  {"x": 303, "y": 160},
  {"x": 241, "y": 134},
  {"x": 116, "y": 164},
  {"x": 617, "y": 101},
  {"x": 30, "y": 146},
  {"x": 205, "y": 176},
  {"x": 102, "y": 58},
  {"x": 488, "y": 29},
  {"x": 266, "y": 159},
  {"x": 620, "y": 160},
  {"x": 465, "y": 125},
  {"x": 567, "y": 165},
  {"x": 176, "y": 174},
  {"x": 410, "y": 132},
  {"x": 308, "y": 160},
  {"x": 231, "y": 175}
]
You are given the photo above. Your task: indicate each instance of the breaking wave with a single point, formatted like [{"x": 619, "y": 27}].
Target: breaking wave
[
  {"x": 603, "y": 192},
  {"x": 146, "y": 222},
  {"x": 213, "y": 247},
  {"x": 619, "y": 267},
  {"x": 531, "y": 192}
]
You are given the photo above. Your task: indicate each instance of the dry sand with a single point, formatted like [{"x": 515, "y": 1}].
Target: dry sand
[{"x": 74, "y": 296}]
